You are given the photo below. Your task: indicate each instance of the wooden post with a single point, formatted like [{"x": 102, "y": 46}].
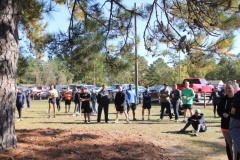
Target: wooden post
[{"x": 204, "y": 99}]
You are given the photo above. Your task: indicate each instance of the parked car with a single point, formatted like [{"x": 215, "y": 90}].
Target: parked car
[
  {"x": 40, "y": 92},
  {"x": 141, "y": 89},
  {"x": 200, "y": 86},
  {"x": 97, "y": 89},
  {"x": 155, "y": 90},
  {"x": 114, "y": 89},
  {"x": 89, "y": 87}
]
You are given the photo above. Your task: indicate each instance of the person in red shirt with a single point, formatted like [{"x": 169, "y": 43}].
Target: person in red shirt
[{"x": 67, "y": 96}]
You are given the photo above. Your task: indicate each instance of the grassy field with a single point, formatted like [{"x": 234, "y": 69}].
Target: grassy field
[{"x": 208, "y": 145}]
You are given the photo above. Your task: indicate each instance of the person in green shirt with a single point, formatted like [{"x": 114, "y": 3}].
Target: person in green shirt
[{"x": 187, "y": 99}]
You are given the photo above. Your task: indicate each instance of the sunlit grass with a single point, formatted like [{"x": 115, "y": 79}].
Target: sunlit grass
[{"x": 209, "y": 145}]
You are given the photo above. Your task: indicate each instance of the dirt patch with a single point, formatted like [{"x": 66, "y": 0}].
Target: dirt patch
[{"x": 82, "y": 144}]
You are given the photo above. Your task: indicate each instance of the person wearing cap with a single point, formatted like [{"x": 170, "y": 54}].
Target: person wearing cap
[
  {"x": 146, "y": 102},
  {"x": 165, "y": 101},
  {"x": 20, "y": 103},
  {"x": 215, "y": 97},
  {"x": 85, "y": 98},
  {"x": 224, "y": 111},
  {"x": 197, "y": 121},
  {"x": 131, "y": 100},
  {"x": 187, "y": 100},
  {"x": 103, "y": 101}
]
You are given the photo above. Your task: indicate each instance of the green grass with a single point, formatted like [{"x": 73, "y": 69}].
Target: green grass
[{"x": 208, "y": 145}]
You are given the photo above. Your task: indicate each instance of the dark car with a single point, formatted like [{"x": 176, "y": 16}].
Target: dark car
[
  {"x": 155, "y": 90},
  {"x": 114, "y": 89},
  {"x": 141, "y": 89}
]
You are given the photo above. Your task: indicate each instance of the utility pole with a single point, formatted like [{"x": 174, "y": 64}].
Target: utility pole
[
  {"x": 94, "y": 72},
  {"x": 94, "y": 80},
  {"x": 136, "y": 51},
  {"x": 179, "y": 68}
]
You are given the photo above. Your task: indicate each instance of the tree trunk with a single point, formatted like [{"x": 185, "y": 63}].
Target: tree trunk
[{"x": 8, "y": 62}]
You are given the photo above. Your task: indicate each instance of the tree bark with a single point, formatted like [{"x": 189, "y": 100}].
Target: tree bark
[{"x": 8, "y": 62}]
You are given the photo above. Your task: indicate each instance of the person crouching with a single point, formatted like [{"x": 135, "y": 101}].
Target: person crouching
[{"x": 197, "y": 121}]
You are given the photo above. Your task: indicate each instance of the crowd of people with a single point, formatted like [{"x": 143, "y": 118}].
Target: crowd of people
[{"x": 226, "y": 103}]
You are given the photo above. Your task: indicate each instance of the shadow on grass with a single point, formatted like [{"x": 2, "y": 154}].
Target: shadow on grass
[
  {"x": 177, "y": 132},
  {"x": 64, "y": 144},
  {"x": 32, "y": 117}
]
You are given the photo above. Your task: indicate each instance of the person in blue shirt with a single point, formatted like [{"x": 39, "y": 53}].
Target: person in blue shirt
[
  {"x": 146, "y": 102},
  {"x": 131, "y": 100},
  {"x": 20, "y": 103}
]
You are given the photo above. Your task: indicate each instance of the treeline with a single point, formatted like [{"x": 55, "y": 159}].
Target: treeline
[{"x": 58, "y": 71}]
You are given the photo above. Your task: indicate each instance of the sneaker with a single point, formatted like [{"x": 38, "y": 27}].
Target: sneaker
[
  {"x": 159, "y": 119},
  {"x": 176, "y": 120},
  {"x": 128, "y": 122},
  {"x": 21, "y": 119},
  {"x": 85, "y": 121},
  {"x": 116, "y": 121},
  {"x": 134, "y": 119},
  {"x": 184, "y": 121},
  {"x": 196, "y": 134},
  {"x": 18, "y": 119},
  {"x": 73, "y": 115}
]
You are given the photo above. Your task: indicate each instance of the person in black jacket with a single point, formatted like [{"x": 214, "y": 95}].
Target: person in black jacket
[
  {"x": 76, "y": 96},
  {"x": 58, "y": 101},
  {"x": 85, "y": 98},
  {"x": 235, "y": 121},
  {"x": 120, "y": 104},
  {"x": 28, "y": 98},
  {"x": 223, "y": 111},
  {"x": 146, "y": 102},
  {"x": 20, "y": 103},
  {"x": 197, "y": 121},
  {"x": 175, "y": 97},
  {"x": 103, "y": 103},
  {"x": 215, "y": 97}
]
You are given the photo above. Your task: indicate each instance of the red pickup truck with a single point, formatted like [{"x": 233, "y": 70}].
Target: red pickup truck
[{"x": 199, "y": 85}]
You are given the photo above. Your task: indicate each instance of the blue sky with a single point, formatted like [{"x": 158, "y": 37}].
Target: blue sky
[{"x": 59, "y": 20}]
